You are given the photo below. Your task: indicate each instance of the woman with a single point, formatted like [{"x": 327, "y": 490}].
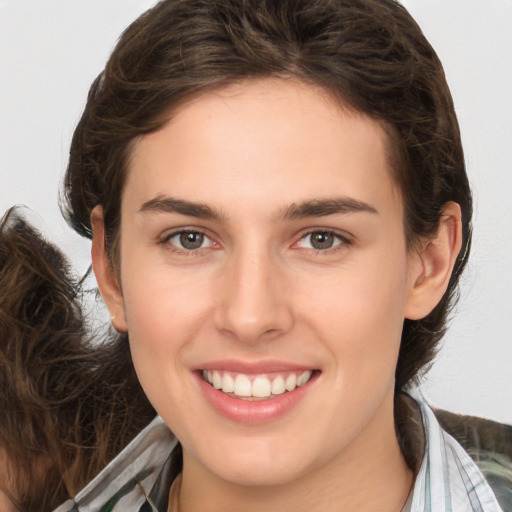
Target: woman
[{"x": 280, "y": 214}]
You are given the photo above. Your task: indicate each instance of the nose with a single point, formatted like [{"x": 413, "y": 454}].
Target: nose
[{"x": 255, "y": 303}]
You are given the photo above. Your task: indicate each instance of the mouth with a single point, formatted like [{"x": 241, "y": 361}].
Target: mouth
[
  {"x": 254, "y": 387},
  {"x": 255, "y": 393}
]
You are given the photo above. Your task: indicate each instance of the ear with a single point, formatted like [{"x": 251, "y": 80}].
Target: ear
[
  {"x": 105, "y": 274},
  {"x": 431, "y": 265}
]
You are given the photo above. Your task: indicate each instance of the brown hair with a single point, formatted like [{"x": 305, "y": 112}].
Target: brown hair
[
  {"x": 370, "y": 54},
  {"x": 68, "y": 406}
]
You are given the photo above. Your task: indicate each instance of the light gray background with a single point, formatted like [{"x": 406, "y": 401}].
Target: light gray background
[{"x": 51, "y": 50}]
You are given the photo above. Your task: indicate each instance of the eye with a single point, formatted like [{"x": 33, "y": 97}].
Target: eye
[
  {"x": 321, "y": 240},
  {"x": 189, "y": 240}
]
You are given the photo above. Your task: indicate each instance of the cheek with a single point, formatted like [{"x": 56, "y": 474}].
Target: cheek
[
  {"x": 360, "y": 314},
  {"x": 160, "y": 299},
  {"x": 167, "y": 310},
  {"x": 161, "y": 320},
  {"x": 161, "y": 324}
]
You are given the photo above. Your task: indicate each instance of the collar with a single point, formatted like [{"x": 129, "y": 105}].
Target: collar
[
  {"x": 448, "y": 479},
  {"x": 139, "y": 478}
]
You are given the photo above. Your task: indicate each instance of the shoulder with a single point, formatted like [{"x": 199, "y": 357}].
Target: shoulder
[{"x": 489, "y": 444}]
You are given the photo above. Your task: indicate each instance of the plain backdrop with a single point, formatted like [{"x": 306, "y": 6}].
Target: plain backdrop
[{"x": 51, "y": 50}]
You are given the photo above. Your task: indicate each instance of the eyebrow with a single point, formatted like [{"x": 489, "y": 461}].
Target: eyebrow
[
  {"x": 309, "y": 208},
  {"x": 161, "y": 204},
  {"x": 324, "y": 207}
]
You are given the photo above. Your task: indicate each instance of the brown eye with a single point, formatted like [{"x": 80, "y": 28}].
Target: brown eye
[{"x": 191, "y": 240}]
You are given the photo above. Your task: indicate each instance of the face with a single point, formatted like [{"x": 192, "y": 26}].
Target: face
[{"x": 265, "y": 278}]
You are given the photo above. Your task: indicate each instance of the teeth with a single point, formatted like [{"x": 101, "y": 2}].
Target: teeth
[
  {"x": 303, "y": 378},
  {"x": 242, "y": 385},
  {"x": 260, "y": 387},
  {"x": 291, "y": 382},
  {"x": 278, "y": 387},
  {"x": 217, "y": 380},
  {"x": 228, "y": 384}
]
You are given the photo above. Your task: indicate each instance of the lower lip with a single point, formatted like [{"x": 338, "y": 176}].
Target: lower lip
[{"x": 254, "y": 411}]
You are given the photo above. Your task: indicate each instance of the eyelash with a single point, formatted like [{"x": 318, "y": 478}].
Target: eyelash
[
  {"x": 343, "y": 241},
  {"x": 183, "y": 251}
]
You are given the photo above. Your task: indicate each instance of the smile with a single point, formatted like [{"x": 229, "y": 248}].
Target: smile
[
  {"x": 249, "y": 387},
  {"x": 255, "y": 393}
]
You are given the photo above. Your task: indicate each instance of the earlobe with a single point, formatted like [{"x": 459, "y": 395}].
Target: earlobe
[
  {"x": 105, "y": 275},
  {"x": 432, "y": 264}
]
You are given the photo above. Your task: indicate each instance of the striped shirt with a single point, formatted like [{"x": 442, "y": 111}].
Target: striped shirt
[
  {"x": 448, "y": 480},
  {"x": 139, "y": 478}
]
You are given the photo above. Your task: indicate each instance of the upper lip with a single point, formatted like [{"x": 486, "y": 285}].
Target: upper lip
[{"x": 253, "y": 367}]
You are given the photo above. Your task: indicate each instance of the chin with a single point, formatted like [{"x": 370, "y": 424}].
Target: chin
[
  {"x": 256, "y": 462},
  {"x": 259, "y": 473}
]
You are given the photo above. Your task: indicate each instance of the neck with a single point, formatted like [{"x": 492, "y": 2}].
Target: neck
[{"x": 370, "y": 474}]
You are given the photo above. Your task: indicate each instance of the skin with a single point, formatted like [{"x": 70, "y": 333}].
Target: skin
[
  {"x": 257, "y": 290},
  {"x": 5, "y": 503}
]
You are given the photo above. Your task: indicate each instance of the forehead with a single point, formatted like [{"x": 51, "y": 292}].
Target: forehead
[{"x": 260, "y": 139}]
